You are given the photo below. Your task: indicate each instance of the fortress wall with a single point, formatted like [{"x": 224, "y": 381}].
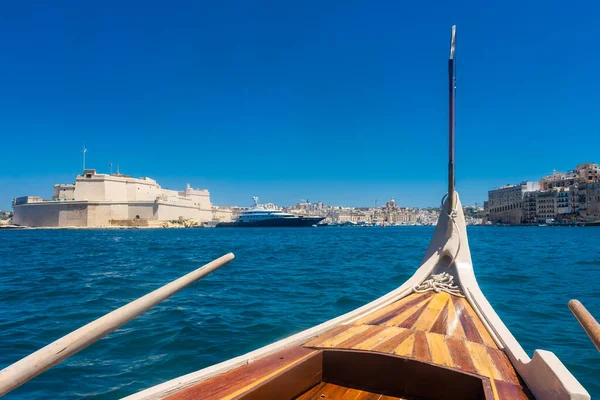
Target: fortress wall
[
  {"x": 70, "y": 214},
  {"x": 51, "y": 214},
  {"x": 167, "y": 211},
  {"x": 36, "y": 215},
  {"x": 145, "y": 210}
]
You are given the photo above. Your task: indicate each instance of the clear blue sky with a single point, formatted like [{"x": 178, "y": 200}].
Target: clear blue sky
[{"x": 341, "y": 101}]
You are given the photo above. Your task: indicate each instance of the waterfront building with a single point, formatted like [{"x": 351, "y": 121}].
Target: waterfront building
[
  {"x": 530, "y": 207},
  {"x": 505, "y": 204},
  {"x": 559, "y": 179},
  {"x": 546, "y": 205},
  {"x": 348, "y": 215},
  {"x": 107, "y": 200},
  {"x": 563, "y": 201}
]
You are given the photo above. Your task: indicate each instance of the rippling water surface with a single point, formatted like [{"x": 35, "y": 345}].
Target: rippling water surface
[{"x": 281, "y": 282}]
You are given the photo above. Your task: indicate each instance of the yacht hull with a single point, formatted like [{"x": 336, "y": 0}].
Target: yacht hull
[{"x": 274, "y": 223}]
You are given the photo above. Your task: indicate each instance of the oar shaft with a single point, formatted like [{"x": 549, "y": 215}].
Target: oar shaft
[
  {"x": 34, "y": 364},
  {"x": 587, "y": 321}
]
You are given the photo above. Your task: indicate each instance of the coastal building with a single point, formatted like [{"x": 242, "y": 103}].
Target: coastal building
[
  {"x": 563, "y": 201},
  {"x": 505, "y": 204},
  {"x": 559, "y": 179},
  {"x": 589, "y": 172},
  {"x": 107, "y": 200},
  {"x": 351, "y": 215},
  {"x": 546, "y": 205},
  {"x": 529, "y": 215}
]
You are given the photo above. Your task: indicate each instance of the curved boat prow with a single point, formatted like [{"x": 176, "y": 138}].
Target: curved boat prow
[
  {"x": 436, "y": 327},
  {"x": 448, "y": 253}
]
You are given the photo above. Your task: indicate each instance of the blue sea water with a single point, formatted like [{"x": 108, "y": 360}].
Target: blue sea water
[{"x": 281, "y": 282}]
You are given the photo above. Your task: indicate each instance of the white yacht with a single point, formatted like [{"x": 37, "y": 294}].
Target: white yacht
[{"x": 260, "y": 216}]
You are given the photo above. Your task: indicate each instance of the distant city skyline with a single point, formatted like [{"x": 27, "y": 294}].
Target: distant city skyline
[{"x": 340, "y": 104}]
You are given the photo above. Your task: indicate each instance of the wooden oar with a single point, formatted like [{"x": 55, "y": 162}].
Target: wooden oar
[
  {"x": 587, "y": 321},
  {"x": 34, "y": 364}
]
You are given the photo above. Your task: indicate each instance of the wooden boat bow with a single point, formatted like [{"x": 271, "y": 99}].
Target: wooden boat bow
[{"x": 438, "y": 323}]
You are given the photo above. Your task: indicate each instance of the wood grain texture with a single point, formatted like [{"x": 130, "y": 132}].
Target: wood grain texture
[
  {"x": 409, "y": 304},
  {"x": 410, "y": 320},
  {"x": 389, "y": 345},
  {"x": 421, "y": 347},
  {"x": 326, "y": 335},
  {"x": 431, "y": 327},
  {"x": 381, "y": 337},
  {"x": 454, "y": 327},
  {"x": 406, "y": 347},
  {"x": 503, "y": 365},
  {"x": 311, "y": 392},
  {"x": 432, "y": 312},
  {"x": 406, "y": 312},
  {"x": 343, "y": 336},
  {"x": 241, "y": 378},
  {"x": 460, "y": 355},
  {"x": 440, "y": 354},
  {"x": 370, "y": 332},
  {"x": 471, "y": 331},
  {"x": 508, "y": 391},
  {"x": 482, "y": 361},
  {"x": 441, "y": 323},
  {"x": 394, "y": 307},
  {"x": 481, "y": 329},
  {"x": 331, "y": 391}
]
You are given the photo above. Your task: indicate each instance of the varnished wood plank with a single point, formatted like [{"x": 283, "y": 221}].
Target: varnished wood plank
[
  {"x": 481, "y": 329},
  {"x": 432, "y": 312},
  {"x": 454, "y": 326},
  {"x": 326, "y": 335},
  {"x": 289, "y": 383},
  {"x": 389, "y": 345},
  {"x": 222, "y": 385},
  {"x": 310, "y": 393},
  {"x": 503, "y": 365},
  {"x": 441, "y": 323},
  {"x": 345, "y": 335},
  {"x": 401, "y": 307},
  {"x": 353, "y": 341},
  {"x": 440, "y": 354},
  {"x": 482, "y": 360},
  {"x": 369, "y": 396},
  {"x": 468, "y": 325},
  {"x": 381, "y": 337},
  {"x": 352, "y": 394},
  {"x": 407, "y": 311},
  {"x": 329, "y": 391},
  {"x": 508, "y": 391},
  {"x": 360, "y": 395},
  {"x": 410, "y": 320},
  {"x": 261, "y": 379},
  {"x": 461, "y": 358},
  {"x": 406, "y": 347},
  {"x": 421, "y": 347},
  {"x": 367, "y": 319}
]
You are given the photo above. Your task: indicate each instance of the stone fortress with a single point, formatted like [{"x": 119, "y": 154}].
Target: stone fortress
[{"x": 100, "y": 200}]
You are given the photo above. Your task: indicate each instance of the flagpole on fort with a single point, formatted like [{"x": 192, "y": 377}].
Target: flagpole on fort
[{"x": 84, "y": 151}]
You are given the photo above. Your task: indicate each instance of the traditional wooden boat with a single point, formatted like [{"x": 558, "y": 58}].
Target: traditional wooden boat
[{"x": 434, "y": 337}]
